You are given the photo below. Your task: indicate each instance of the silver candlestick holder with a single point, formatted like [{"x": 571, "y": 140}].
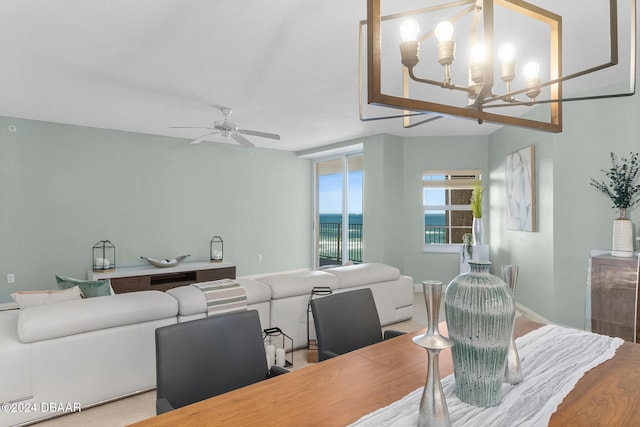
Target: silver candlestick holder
[
  {"x": 433, "y": 411},
  {"x": 512, "y": 372}
]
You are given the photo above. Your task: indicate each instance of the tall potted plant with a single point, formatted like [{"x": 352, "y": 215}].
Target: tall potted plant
[
  {"x": 476, "y": 209},
  {"x": 621, "y": 186}
]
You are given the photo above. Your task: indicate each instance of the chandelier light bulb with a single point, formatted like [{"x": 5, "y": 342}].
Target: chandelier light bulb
[
  {"x": 531, "y": 70},
  {"x": 507, "y": 52},
  {"x": 477, "y": 56},
  {"x": 409, "y": 30},
  {"x": 478, "y": 53},
  {"x": 444, "y": 31}
]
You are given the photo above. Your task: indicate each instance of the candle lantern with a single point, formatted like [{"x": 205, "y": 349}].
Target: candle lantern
[
  {"x": 104, "y": 256},
  {"x": 217, "y": 247},
  {"x": 280, "y": 344}
]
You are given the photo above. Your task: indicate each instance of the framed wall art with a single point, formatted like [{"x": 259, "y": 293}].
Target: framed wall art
[{"x": 521, "y": 190}]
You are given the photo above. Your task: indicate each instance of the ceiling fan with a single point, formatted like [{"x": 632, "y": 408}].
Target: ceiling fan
[{"x": 228, "y": 128}]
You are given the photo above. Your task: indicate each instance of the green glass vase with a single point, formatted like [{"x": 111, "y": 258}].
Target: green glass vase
[{"x": 479, "y": 309}]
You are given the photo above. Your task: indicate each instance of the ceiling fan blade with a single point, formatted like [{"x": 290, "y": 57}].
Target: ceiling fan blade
[
  {"x": 257, "y": 133},
  {"x": 242, "y": 140},
  {"x": 217, "y": 106},
  {"x": 203, "y": 137},
  {"x": 190, "y": 127}
]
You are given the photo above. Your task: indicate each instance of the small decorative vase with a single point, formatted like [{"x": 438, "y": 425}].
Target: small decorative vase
[
  {"x": 622, "y": 245},
  {"x": 433, "y": 411},
  {"x": 480, "y": 310},
  {"x": 513, "y": 371},
  {"x": 467, "y": 246},
  {"x": 477, "y": 231}
]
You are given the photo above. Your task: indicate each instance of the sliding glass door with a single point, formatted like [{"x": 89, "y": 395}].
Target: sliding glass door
[{"x": 338, "y": 210}]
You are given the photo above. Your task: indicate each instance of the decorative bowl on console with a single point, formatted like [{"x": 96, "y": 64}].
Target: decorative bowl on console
[{"x": 167, "y": 262}]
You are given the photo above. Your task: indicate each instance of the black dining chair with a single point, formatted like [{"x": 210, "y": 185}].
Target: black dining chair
[
  {"x": 202, "y": 358},
  {"x": 347, "y": 321}
]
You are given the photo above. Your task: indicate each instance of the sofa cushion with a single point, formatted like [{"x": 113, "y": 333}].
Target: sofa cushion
[
  {"x": 89, "y": 288},
  {"x": 256, "y": 291},
  {"x": 50, "y": 321},
  {"x": 33, "y": 298},
  {"x": 364, "y": 274},
  {"x": 301, "y": 283},
  {"x": 191, "y": 300}
]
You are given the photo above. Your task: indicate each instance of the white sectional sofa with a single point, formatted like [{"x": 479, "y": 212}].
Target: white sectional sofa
[
  {"x": 71, "y": 354},
  {"x": 66, "y": 355}
]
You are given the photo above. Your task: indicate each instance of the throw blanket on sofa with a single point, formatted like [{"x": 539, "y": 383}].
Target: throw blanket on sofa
[{"x": 223, "y": 296}]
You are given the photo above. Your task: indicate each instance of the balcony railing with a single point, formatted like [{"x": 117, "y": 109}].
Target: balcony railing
[
  {"x": 330, "y": 243},
  {"x": 435, "y": 235},
  {"x": 440, "y": 235}
]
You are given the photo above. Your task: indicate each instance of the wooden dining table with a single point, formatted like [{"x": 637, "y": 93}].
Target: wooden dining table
[{"x": 339, "y": 391}]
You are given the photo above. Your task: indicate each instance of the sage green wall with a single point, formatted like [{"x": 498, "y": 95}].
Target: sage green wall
[
  {"x": 533, "y": 252},
  {"x": 573, "y": 218},
  {"x": 383, "y": 193},
  {"x": 583, "y": 217},
  {"x": 63, "y": 188}
]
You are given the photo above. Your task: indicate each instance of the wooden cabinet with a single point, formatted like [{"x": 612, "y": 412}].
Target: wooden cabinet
[
  {"x": 161, "y": 279},
  {"x": 614, "y": 296}
]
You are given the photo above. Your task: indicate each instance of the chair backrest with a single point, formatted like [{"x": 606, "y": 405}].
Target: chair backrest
[
  {"x": 345, "y": 321},
  {"x": 202, "y": 358}
]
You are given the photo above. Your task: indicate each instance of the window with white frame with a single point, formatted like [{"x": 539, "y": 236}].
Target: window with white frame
[{"x": 446, "y": 196}]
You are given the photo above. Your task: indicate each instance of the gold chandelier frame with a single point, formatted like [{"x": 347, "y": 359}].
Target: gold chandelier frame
[{"x": 485, "y": 98}]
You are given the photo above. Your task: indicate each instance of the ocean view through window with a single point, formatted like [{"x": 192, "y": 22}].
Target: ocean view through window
[
  {"x": 331, "y": 238},
  {"x": 338, "y": 235},
  {"x": 447, "y": 213}
]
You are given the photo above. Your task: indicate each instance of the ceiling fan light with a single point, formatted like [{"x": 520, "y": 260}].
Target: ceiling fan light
[{"x": 227, "y": 128}]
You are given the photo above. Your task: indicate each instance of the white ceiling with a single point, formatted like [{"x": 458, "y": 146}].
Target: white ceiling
[{"x": 284, "y": 66}]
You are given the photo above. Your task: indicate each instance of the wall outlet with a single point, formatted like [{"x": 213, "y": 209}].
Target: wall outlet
[
  {"x": 259, "y": 257},
  {"x": 11, "y": 278}
]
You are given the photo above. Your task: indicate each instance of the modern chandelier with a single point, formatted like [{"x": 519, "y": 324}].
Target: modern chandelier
[{"x": 490, "y": 60}]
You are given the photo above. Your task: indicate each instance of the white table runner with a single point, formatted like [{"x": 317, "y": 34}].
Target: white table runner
[{"x": 553, "y": 359}]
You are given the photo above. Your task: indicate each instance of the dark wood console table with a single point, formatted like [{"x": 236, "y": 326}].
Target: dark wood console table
[{"x": 132, "y": 279}]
